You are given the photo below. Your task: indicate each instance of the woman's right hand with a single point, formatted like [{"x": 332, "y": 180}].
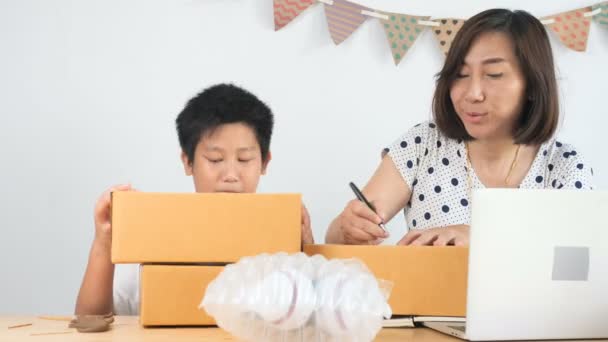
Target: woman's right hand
[
  {"x": 359, "y": 224},
  {"x": 103, "y": 215}
]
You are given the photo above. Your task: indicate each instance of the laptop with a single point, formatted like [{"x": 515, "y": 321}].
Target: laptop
[{"x": 538, "y": 266}]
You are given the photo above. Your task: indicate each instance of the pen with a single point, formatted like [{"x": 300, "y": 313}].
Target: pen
[{"x": 362, "y": 198}]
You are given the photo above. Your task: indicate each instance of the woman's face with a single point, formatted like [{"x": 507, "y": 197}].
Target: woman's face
[{"x": 490, "y": 89}]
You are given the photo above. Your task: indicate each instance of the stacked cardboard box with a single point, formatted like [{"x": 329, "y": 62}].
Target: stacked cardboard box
[{"x": 183, "y": 242}]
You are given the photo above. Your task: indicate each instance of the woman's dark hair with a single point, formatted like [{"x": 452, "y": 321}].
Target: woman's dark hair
[{"x": 540, "y": 114}]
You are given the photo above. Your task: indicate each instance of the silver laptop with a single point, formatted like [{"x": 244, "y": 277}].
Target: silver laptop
[{"x": 538, "y": 266}]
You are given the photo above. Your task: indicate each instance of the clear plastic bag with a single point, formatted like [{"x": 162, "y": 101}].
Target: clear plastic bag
[{"x": 283, "y": 297}]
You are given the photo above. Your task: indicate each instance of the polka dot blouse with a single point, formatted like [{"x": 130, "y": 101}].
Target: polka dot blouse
[{"x": 434, "y": 167}]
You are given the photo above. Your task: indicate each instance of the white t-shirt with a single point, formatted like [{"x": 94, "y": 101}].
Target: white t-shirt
[
  {"x": 435, "y": 169},
  {"x": 126, "y": 289}
]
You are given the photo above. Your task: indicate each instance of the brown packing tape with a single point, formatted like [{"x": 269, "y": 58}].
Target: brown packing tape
[{"x": 92, "y": 323}]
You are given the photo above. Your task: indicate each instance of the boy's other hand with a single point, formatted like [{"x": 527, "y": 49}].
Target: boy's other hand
[
  {"x": 307, "y": 237},
  {"x": 103, "y": 214}
]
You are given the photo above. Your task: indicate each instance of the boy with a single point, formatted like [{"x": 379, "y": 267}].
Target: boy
[{"x": 224, "y": 133}]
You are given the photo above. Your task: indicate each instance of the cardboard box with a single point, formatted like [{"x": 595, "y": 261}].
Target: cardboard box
[
  {"x": 170, "y": 294},
  {"x": 192, "y": 228},
  {"x": 428, "y": 281}
]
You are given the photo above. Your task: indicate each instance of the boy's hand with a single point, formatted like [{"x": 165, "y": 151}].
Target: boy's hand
[
  {"x": 103, "y": 214},
  {"x": 95, "y": 296},
  {"x": 307, "y": 237}
]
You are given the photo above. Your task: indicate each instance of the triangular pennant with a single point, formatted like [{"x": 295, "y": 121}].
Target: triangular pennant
[
  {"x": 343, "y": 18},
  {"x": 401, "y": 32},
  {"x": 446, "y": 31},
  {"x": 601, "y": 17},
  {"x": 286, "y": 10},
  {"x": 572, "y": 28}
]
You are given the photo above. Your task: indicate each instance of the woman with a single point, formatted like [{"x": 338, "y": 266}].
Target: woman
[{"x": 495, "y": 111}]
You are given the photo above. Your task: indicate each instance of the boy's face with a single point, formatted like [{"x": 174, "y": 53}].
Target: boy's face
[{"x": 227, "y": 159}]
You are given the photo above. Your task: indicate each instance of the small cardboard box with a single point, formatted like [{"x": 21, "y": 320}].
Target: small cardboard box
[
  {"x": 428, "y": 281},
  {"x": 193, "y": 228},
  {"x": 170, "y": 294}
]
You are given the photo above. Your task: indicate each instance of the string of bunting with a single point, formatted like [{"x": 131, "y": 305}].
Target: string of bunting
[{"x": 402, "y": 30}]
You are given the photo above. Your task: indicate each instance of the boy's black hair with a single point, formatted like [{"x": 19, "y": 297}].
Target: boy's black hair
[{"x": 223, "y": 104}]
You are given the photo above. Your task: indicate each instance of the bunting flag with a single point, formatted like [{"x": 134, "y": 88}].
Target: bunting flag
[
  {"x": 601, "y": 17},
  {"x": 286, "y": 10},
  {"x": 572, "y": 28},
  {"x": 343, "y": 18},
  {"x": 401, "y": 31},
  {"x": 446, "y": 31}
]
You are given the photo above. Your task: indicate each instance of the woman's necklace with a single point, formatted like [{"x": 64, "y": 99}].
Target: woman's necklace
[{"x": 469, "y": 181}]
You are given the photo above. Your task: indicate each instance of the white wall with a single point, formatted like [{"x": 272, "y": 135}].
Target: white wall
[{"x": 90, "y": 90}]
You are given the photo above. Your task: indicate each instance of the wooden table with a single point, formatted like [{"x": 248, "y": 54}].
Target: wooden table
[{"x": 127, "y": 328}]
